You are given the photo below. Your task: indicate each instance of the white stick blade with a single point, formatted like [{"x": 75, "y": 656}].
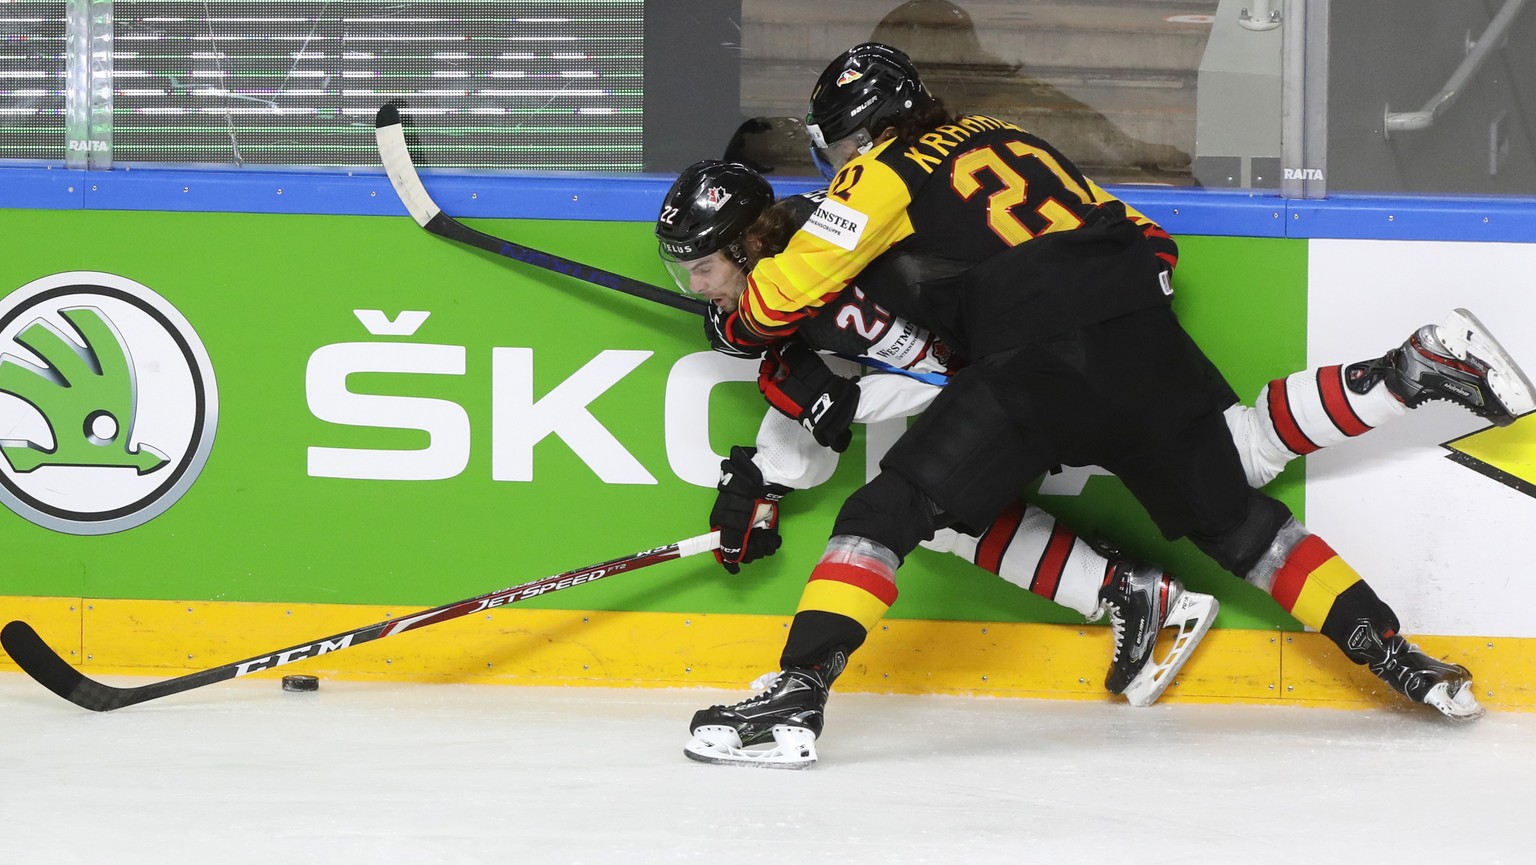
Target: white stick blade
[{"x": 402, "y": 172}]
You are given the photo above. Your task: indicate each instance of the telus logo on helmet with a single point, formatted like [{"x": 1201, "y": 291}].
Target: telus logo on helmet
[{"x": 108, "y": 404}]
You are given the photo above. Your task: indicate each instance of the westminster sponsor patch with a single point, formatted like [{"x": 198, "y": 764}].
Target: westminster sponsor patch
[{"x": 837, "y": 223}]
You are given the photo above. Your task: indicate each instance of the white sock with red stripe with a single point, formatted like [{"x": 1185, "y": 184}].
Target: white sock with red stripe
[
  {"x": 1302, "y": 413},
  {"x": 1027, "y": 547}
]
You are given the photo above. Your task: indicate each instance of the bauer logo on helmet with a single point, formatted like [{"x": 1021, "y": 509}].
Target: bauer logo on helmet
[{"x": 858, "y": 109}]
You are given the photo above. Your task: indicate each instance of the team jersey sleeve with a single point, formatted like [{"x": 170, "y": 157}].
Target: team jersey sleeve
[
  {"x": 787, "y": 455},
  {"x": 864, "y": 214},
  {"x": 1163, "y": 244},
  {"x": 892, "y": 395}
]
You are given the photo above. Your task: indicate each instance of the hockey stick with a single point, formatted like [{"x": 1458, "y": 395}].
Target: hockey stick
[
  {"x": 407, "y": 183},
  {"x": 54, "y": 673}
]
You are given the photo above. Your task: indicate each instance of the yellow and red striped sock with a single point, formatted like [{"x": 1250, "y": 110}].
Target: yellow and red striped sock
[
  {"x": 1323, "y": 592},
  {"x": 849, "y": 591}
]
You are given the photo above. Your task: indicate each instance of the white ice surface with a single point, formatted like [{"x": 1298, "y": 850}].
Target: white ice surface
[{"x": 243, "y": 772}]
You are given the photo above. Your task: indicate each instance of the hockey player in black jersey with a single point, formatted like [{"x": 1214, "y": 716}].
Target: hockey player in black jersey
[
  {"x": 715, "y": 223},
  {"x": 1076, "y": 358}
]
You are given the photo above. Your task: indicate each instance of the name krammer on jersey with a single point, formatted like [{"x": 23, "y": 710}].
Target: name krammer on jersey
[{"x": 929, "y": 198}]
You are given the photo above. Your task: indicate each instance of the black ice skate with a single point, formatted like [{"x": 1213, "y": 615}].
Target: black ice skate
[
  {"x": 1458, "y": 361},
  {"x": 787, "y": 716},
  {"x": 1142, "y": 600},
  {"x": 1415, "y": 675}
]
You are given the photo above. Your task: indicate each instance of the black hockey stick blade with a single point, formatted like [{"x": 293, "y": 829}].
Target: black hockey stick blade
[
  {"x": 43, "y": 663},
  {"x": 396, "y": 156},
  {"x": 38, "y": 660}
]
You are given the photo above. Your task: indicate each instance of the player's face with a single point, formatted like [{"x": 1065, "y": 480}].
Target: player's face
[{"x": 717, "y": 279}]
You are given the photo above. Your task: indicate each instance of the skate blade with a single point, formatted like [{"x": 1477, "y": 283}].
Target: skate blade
[
  {"x": 1193, "y": 614},
  {"x": 1462, "y": 706},
  {"x": 1464, "y": 334},
  {"x": 793, "y": 748}
]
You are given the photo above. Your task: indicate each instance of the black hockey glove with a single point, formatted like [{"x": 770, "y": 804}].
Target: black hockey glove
[
  {"x": 746, "y": 512},
  {"x": 723, "y": 329},
  {"x": 799, "y": 384}
]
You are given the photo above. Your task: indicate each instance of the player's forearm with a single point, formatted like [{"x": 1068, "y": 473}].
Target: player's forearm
[{"x": 787, "y": 455}]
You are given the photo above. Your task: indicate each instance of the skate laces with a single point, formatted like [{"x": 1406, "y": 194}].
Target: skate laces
[
  {"x": 1120, "y": 587},
  {"x": 1120, "y": 620},
  {"x": 763, "y": 690},
  {"x": 766, "y": 681},
  {"x": 1117, "y": 626}
]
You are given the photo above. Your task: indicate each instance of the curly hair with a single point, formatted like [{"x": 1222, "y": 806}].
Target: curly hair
[
  {"x": 771, "y": 232},
  {"x": 910, "y": 127}
]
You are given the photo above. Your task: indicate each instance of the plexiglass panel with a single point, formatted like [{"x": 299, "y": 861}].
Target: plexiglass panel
[
  {"x": 1391, "y": 95},
  {"x": 489, "y": 84},
  {"x": 1112, "y": 84},
  {"x": 1428, "y": 96}
]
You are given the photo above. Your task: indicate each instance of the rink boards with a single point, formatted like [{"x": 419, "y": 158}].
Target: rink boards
[
  {"x": 401, "y": 421},
  {"x": 161, "y": 639}
]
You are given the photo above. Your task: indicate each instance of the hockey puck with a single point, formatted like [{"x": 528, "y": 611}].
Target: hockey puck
[{"x": 301, "y": 683}]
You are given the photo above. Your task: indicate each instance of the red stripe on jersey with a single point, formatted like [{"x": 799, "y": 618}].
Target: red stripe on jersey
[
  {"x": 1053, "y": 561},
  {"x": 752, "y": 326},
  {"x": 997, "y": 537},
  {"x": 759, "y": 318},
  {"x": 1163, "y": 245},
  {"x": 878, "y": 585},
  {"x": 1284, "y": 420},
  {"x": 751, "y": 310},
  {"x": 775, "y": 315},
  {"x": 1330, "y": 386},
  {"x": 1306, "y": 557}
]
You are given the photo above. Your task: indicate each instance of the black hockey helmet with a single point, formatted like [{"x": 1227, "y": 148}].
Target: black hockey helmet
[
  {"x": 708, "y": 210},
  {"x": 867, "y": 88}
]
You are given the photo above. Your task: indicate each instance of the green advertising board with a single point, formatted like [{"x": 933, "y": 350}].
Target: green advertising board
[{"x": 400, "y": 420}]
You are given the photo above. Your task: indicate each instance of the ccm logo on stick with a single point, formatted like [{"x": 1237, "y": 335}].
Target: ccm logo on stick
[{"x": 289, "y": 656}]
